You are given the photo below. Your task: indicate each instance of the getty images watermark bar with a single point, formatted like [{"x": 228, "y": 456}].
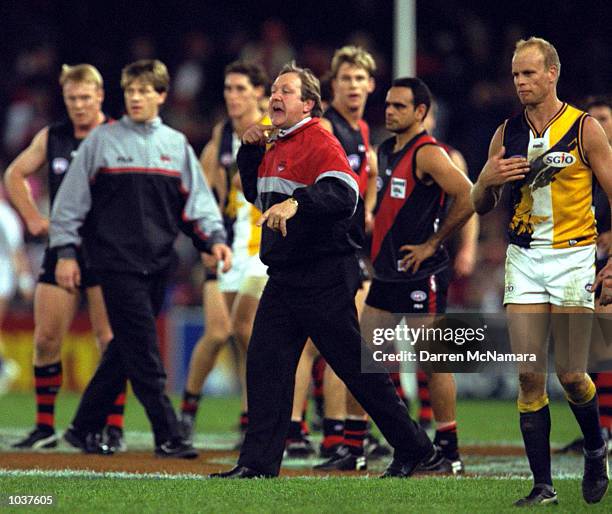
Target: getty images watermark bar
[{"x": 479, "y": 342}]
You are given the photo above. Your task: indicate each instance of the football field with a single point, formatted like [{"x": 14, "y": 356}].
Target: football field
[{"x": 136, "y": 481}]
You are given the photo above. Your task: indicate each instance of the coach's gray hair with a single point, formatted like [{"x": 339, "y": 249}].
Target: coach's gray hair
[{"x": 311, "y": 88}]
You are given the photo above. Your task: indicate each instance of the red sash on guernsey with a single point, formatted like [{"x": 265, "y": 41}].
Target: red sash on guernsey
[{"x": 389, "y": 206}]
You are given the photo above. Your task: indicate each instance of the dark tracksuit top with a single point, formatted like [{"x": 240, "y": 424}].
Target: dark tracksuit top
[
  {"x": 314, "y": 276},
  {"x": 133, "y": 185}
]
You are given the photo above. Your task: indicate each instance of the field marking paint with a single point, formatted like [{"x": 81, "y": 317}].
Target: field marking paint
[{"x": 70, "y": 473}]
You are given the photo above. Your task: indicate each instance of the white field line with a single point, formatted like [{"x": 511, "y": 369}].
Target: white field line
[{"x": 67, "y": 473}]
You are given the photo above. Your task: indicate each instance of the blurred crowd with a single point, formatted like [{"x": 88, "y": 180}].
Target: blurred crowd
[{"x": 463, "y": 54}]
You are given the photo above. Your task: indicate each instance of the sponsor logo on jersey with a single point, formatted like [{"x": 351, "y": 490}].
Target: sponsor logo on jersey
[
  {"x": 589, "y": 288},
  {"x": 398, "y": 188},
  {"x": 165, "y": 158},
  {"x": 354, "y": 161},
  {"x": 121, "y": 158},
  {"x": 509, "y": 288},
  {"x": 59, "y": 165},
  {"x": 281, "y": 166},
  {"x": 559, "y": 159},
  {"x": 418, "y": 296}
]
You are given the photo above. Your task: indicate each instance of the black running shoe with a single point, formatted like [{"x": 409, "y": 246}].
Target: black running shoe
[
  {"x": 595, "y": 479},
  {"x": 299, "y": 448},
  {"x": 404, "y": 469},
  {"x": 177, "y": 449},
  {"x": 539, "y": 495},
  {"x": 344, "y": 460},
  {"x": 90, "y": 442},
  {"x": 37, "y": 439},
  {"x": 114, "y": 439}
]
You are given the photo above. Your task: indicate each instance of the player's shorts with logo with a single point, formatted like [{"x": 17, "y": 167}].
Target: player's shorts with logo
[
  {"x": 47, "y": 270},
  {"x": 248, "y": 275},
  {"x": 425, "y": 296},
  {"x": 559, "y": 276}
]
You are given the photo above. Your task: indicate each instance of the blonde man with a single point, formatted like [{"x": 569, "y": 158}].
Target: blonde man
[
  {"x": 547, "y": 155},
  {"x": 54, "y": 308}
]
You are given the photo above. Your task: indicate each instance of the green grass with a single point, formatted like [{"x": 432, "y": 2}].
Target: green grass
[
  {"x": 479, "y": 420},
  {"x": 485, "y": 422},
  {"x": 301, "y": 495}
]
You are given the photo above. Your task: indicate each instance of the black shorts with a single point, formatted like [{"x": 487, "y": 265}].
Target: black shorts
[
  {"x": 425, "y": 296},
  {"x": 47, "y": 270}
]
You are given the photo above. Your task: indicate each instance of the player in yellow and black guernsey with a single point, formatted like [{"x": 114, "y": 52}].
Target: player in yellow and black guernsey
[{"x": 547, "y": 155}]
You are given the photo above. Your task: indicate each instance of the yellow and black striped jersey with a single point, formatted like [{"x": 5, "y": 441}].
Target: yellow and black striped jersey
[{"x": 552, "y": 205}]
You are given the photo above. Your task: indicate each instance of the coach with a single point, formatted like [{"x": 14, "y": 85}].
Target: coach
[{"x": 307, "y": 192}]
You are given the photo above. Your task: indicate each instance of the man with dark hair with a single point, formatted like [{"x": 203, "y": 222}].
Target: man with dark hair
[
  {"x": 133, "y": 183},
  {"x": 548, "y": 155},
  {"x": 230, "y": 299},
  {"x": 410, "y": 262},
  {"x": 308, "y": 193}
]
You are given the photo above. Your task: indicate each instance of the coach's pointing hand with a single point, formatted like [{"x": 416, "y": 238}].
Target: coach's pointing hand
[
  {"x": 257, "y": 134},
  {"x": 278, "y": 214}
]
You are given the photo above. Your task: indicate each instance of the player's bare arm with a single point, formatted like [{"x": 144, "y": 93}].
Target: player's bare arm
[
  {"x": 496, "y": 172},
  {"x": 213, "y": 171},
  {"x": 599, "y": 154},
  {"x": 465, "y": 260},
  {"x": 434, "y": 162},
  {"x": 25, "y": 164},
  {"x": 370, "y": 194}
]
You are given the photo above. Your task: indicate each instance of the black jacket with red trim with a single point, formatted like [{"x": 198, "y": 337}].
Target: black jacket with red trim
[
  {"x": 308, "y": 163},
  {"x": 133, "y": 186}
]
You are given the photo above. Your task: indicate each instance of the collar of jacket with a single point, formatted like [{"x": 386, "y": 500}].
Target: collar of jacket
[
  {"x": 147, "y": 126},
  {"x": 298, "y": 127}
]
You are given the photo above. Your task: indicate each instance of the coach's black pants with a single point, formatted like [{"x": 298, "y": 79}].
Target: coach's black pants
[
  {"x": 132, "y": 302},
  {"x": 318, "y": 302}
]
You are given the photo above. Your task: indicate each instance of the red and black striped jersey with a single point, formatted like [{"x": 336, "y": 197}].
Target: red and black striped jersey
[
  {"x": 408, "y": 211},
  {"x": 355, "y": 143}
]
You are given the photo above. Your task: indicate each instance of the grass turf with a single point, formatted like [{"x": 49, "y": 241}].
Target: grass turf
[
  {"x": 301, "y": 495},
  {"x": 479, "y": 421}
]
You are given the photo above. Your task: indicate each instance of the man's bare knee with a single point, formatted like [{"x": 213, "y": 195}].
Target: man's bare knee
[
  {"x": 47, "y": 347},
  {"x": 577, "y": 386},
  {"x": 531, "y": 385}
]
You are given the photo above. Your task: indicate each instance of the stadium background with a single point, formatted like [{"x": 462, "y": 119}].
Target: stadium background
[{"x": 463, "y": 53}]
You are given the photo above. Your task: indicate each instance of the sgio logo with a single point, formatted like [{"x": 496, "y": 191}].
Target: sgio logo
[{"x": 559, "y": 159}]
